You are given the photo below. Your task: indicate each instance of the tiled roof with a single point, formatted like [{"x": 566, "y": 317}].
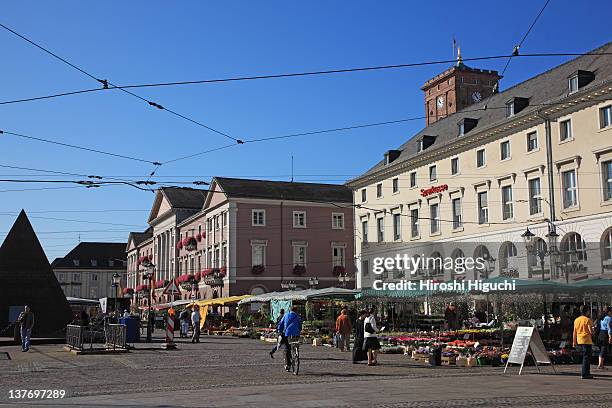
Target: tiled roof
[
  {"x": 547, "y": 87},
  {"x": 284, "y": 190},
  {"x": 102, "y": 253},
  {"x": 140, "y": 237},
  {"x": 180, "y": 197}
]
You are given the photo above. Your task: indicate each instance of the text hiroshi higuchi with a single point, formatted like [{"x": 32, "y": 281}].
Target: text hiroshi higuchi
[{"x": 453, "y": 286}]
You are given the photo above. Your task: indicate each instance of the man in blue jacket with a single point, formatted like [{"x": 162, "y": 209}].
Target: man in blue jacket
[{"x": 291, "y": 326}]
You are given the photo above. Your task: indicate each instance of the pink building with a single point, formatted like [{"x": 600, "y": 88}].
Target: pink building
[{"x": 249, "y": 236}]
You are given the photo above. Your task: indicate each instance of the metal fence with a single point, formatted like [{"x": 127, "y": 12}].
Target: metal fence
[
  {"x": 115, "y": 336},
  {"x": 74, "y": 336}
]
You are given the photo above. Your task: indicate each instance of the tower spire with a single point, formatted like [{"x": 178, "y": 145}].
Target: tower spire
[{"x": 459, "y": 59}]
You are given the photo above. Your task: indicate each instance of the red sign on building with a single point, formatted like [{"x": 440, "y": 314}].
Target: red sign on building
[{"x": 433, "y": 190}]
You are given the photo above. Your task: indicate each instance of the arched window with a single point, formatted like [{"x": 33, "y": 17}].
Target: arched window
[
  {"x": 573, "y": 248},
  {"x": 606, "y": 249},
  {"x": 481, "y": 251},
  {"x": 435, "y": 264},
  {"x": 458, "y": 258},
  {"x": 507, "y": 260}
]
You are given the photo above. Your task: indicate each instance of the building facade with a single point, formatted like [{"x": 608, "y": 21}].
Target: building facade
[
  {"x": 251, "y": 237},
  {"x": 537, "y": 156},
  {"x": 87, "y": 271}
]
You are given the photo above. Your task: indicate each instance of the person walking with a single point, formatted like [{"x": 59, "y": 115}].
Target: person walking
[
  {"x": 343, "y": 330},
  {"x": 184, "y": 318},
  {"x": 195, "y": 321},
  {"x": 280, "y": 335},
  {"x": 370, "y": 343},
  {"x": 583, "y": 336},
  {"x": 604, "y": 338},
  {"x": 26, "y": 321},
  {"x": 358, "y": 353}
]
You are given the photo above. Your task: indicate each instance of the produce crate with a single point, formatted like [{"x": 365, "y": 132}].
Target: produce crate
[
  {"x": 424, "y": 357},
  {"x": 449, "y": 360}
]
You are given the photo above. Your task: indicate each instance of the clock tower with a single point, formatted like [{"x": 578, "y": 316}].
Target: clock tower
[{"x": 457, "y": 88}]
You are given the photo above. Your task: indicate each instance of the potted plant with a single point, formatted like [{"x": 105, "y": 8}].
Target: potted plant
[
  {"x": 299, "y": 269},
  {"x": 258, "y": 269},
  {"x": 339, "y": 270},
  {"x": 190, "y": 243}
]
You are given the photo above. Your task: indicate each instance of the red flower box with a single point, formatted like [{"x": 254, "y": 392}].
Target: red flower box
[
  {"x": 299, "y": 269},
  {"x": 128, "y": 291},
  {"x": 186, "y": 277},
  {"x": 199, "y": 237},
  {"x": 179, "y": 245},
  {"x": 198, "y": 276},
  {"x": 339, "y": 270},
  {"x": 258, "y": 269},
  {"x": 207, "y": 272}
]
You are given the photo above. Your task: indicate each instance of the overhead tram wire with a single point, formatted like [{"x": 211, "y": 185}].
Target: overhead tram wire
[
  {"x": 106, "y": 84},
  {"x": 275, "y": 76},
  {"x": 515, "y": 52}
]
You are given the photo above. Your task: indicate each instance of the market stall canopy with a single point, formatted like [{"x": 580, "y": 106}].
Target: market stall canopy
[
  {"x": 224, "y": 301},
  {"x": 81, "y": 301},
  {"x": 524, "y": 285},
  {"x": 307, "y": 294},
  {"x": 593, "y": 284},
  {"x": 164, "y": 306}
]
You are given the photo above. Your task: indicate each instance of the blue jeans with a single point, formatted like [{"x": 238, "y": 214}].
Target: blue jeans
[
  {"x": 25, "y": 338},
  {"x": 587, "y": 351}
]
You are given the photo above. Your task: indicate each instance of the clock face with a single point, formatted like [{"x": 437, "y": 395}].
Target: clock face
[
  {"x": 440, "y": 101},
  {"x": 476, "y": 96}
]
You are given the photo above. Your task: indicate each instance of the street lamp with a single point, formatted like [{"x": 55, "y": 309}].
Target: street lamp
[
  {"x": 115, "y": 285},
  {"x": 313, "y": 282},
  {"x": 148, "y": 275},
  {"x": 290, "y": 285},
  {"x": 344, "y": 279}
]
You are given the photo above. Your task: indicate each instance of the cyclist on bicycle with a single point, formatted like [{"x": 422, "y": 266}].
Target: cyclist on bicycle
[{"x": 291, "y": 326}]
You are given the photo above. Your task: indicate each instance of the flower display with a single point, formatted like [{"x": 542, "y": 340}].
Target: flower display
[
  {"x": 258, "y": 269},
  {"x": 128, "y": 291},
  {"x": 198, "y": 276},
  {"x": 198, "y": 237},
  {"x": 339, "y": 270},
  {"x": 190, "y": 243},
  {"x": 142, "y": 287},
  {"x": 299, "y": 269}
]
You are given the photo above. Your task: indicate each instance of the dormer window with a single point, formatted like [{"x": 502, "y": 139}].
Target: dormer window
[
  {"x": 515, "y": 105},
  {"x": 465, "y": 125},
  {"x": 94, "y": 262},
  {"x": 419, "y": 146},
  {"x": 424, "y": 142},
  {"x": 391, "y": 155},
  {"x": 579, "y": 79},
  {"x": 76, "y": 262}
]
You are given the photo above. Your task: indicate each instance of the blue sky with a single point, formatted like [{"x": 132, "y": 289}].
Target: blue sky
[{"x": 139, "y": 42}]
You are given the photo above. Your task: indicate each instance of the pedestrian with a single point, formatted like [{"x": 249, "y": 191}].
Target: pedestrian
[
  {"x": 358, "y": 353},
  {"x": 583, "y": 337},
  {"x": 370, "y": 343},
  {"x": 450, "y": 315},
  {"x": 343, "y": 330},
  {"x": 26, "y": 320},
  {"x": 195, "y": 321},
  {"x": 184, "y": 318},
  {"x": 280, "y": 334},
  {"x": 604, "y": 337},
  {"x": 126, "y": 314}
]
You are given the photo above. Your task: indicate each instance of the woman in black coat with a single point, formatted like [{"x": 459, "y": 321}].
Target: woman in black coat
[{"x": 358, "y": 353}]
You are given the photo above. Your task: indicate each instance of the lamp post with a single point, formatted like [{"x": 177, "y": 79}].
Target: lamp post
[
  {"x": 115, "y": 285},
  {"x": 313, "y": 282},
  {"x": 541, "y": 252},
  {"x": 290, "y": 285},
  {"x": 344, "y": 279},
  {"x": 148, "y": 275},
  {"x": 489, "y": 267}
]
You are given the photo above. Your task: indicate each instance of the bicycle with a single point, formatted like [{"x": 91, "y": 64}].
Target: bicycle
[{"x": 294, "y": 344}]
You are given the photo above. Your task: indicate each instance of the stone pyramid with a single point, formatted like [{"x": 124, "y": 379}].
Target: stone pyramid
[{"x": 26, "y": 278}]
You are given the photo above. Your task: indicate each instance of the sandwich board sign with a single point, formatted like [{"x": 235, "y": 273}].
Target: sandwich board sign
[{"x": 527, "y": 339}]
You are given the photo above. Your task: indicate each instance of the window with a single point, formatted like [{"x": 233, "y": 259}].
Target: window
[
  {"x": 570, "y": 192},
  {"x": 299, "y": 219},
  {"x": 565, "y": 130},
  {"x": 379, "y": 190},
  {"x": 461, "y": 128},
  {"x": 507, "y": 203},
  {"x": 532, "y": 141},
  {"x": 76, "y": 277},
  {"x": 397, "y": 227},
  {"x": 224, "y": 219},
  {"x": 338, "y": 221},
  {"x": 509, "y": 109},
  {"x": 259, "y": 217},
  {"x": 76, "y": 262},
  {"x": 414, "y": 223},
  {"x": 605, "y": 116},
  {"x": 94, "y": 262},
  {"x": 457, "y": 221},
  {"x": 395, "y": 183},
  {"x": 535, "y": 198},
  {"x": 413, "y": 180},
  {"x": 258, "y": 254},
  {"x": 364, "y": 195},
  {"x": 434, "y": 218},
  {"x": 454, "y": 166},
  {"x": 93, "y": 293},
  {"x": 76, "y": 291},
  {"x": 432, "y": 173},
  {"x": 480, "y": 158},
  {"x": 364, "y": 231},
  {"x": 365, "y": 267},
  {"x": 573, "y": 84},
  {"x": 483, "y": 208},
  {"x": 299, "y": 254},
  {"x": 94, "y": 276},
  {"x": 419, "y": 146},
  {"x": 574, "y": 248},
  {"x": 338, "y": 255},
  {"x": 607, "y": 179},
  {"x": 505, "y": 150},
  {"x": 380, "y": 229}
]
